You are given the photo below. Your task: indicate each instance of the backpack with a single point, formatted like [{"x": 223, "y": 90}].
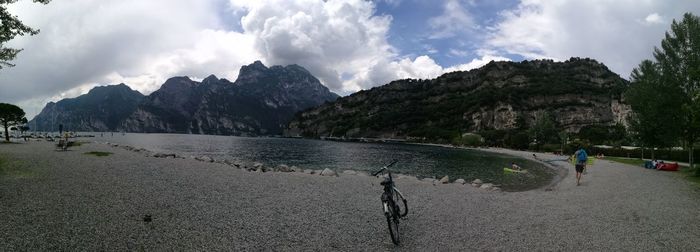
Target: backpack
[{"x": 582, "y": 155}]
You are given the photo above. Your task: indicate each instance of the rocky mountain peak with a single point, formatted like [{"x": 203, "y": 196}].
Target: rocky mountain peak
[{"x": 210, "y": 79}]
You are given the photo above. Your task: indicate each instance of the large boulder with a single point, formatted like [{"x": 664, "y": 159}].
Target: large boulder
[
  {"x": 445, "y": 180},
  {"x": 328, "y": 172},
  {"x": 283, "y": 168}
]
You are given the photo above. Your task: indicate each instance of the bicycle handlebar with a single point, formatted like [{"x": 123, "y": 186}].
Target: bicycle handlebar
[{"x": 393, "y": 162}]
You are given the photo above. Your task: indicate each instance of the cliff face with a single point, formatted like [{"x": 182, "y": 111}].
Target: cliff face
[
  {"x": 500, "y": 95},
  {"x": 101, "y": 109},
  {"x": 260, "y": 102}
]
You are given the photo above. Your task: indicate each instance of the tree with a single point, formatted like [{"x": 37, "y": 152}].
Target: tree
[
  {"x": 655, "y": 107},
  {"x": 544, "y": 129},
  {"x": 11, "y": 115},
  {"x": 679, "y": 58},
  {"x": 563, "y": 139},
  {"x": 11, "y": 27}
]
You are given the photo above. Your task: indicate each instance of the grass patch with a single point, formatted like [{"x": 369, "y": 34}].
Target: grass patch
[
  {"x": 99, "y": 153},
  {"x": 684, "y": 171},
  {"x": 689, "y": 174},
  {"x": 14, "y": 169},
  {"x": 629, "y": 161}
]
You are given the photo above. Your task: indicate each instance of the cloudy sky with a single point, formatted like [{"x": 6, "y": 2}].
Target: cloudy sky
[{"x": 348, "y": 44}]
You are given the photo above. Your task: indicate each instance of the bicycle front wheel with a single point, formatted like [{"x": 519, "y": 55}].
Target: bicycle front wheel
[
  {"x": 393, "y": 221},
  {"x": 401, "y": 205}
]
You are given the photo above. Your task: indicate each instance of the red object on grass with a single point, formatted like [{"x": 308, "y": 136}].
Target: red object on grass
[{"x": 667, "y": 167}]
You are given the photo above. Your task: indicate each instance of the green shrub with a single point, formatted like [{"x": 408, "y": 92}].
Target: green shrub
[{"x": 472, "y": 140}]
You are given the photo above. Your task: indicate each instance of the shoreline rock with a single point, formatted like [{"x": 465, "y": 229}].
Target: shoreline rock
[{"x": 328, "y": 172}]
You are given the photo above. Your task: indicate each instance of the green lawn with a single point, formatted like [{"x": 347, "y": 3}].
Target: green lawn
[
  {"x": 629, "y": 161},
  {"x": 685, "y": 171},
  {"x": 14, "y": 169}
]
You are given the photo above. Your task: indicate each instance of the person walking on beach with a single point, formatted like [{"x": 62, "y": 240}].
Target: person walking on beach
[{"x": 581, "y": 157}]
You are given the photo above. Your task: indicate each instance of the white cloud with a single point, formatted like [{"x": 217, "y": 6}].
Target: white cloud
[
  {"x": 454, "y": 20},
  {"x": 476, "y": 63},
  {"x": 654, "y": 18},
  {"x": 331, "y": 39},
  {"x": 608, "y": 31},
  {"x": 85, "y": 43}
]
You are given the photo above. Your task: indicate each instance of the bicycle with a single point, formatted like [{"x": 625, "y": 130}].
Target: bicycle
[{"x": 392, "y": 210}]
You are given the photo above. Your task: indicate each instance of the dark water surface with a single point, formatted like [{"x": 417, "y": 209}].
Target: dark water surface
[{"x": 418, "y": 160}]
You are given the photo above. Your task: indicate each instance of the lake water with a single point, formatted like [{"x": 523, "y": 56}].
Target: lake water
[{"x": 418, "y": 160}]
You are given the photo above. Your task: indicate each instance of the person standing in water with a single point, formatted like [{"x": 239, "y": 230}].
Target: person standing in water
[{"x": 581, "y": 157}]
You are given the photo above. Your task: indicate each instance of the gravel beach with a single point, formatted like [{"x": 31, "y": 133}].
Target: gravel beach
[{"x": 67, "y": 200}]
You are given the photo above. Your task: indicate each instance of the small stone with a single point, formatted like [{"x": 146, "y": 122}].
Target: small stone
[
  {"x": 328, "y": 172},
  {"x": 460, "y": 181},
  {"x": 205, "y": 159},
  {"x": 283, "y": 168},
  {"x": 257, "y": 164},
  {"x": 477, "y": 181},
  {"x": 486, "y": 186},
  {"x": 296, "y": 169},
  {"x": 309, "y": 171},
  {"x": 445, "y": 180},
  {"x": 349, "y": 172}
]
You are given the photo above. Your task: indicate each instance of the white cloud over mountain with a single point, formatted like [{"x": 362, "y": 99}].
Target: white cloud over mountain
[{"x": 618, "y": 33}]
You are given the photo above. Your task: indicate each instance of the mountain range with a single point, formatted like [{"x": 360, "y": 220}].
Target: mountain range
[
  {"x": 498, "y": 96},
  {"x": 260, "y": 102},
  {"x": 290, "y": 101}
]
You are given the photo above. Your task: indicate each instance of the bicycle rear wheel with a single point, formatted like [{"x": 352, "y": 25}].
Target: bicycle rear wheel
[{"x": 393, "y": 221}]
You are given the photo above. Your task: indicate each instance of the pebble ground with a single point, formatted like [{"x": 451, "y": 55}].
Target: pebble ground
[{"x": 56, "y": 200}]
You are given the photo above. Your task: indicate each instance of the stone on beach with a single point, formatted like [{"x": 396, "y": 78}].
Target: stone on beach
[
  {"x": 349, "y": 172},
  {"x": 164, "y": 155},
  {"x": 283, "y": 168},
  {"x": 328, "y": 172},
  {"x": 477, "y": 181},
  {"x": 445, "y": 180},
  {"x": 205, "y": 159},
  {"x": 460, "y": 181},
  {"x": 486, "y": 186},
  {"x": 431, "y": 180},
  {"x": 309, "y": 171}
]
